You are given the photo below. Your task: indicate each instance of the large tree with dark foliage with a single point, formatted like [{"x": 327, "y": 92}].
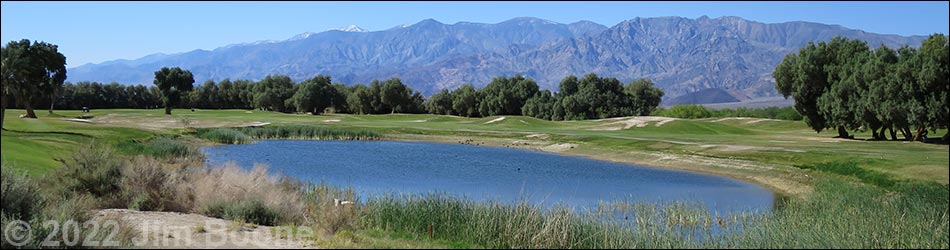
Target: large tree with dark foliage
[
  {"x": 173, "y": 83},
  {"x": 644, "y": 96},
  {"x": 843, "y": 84},
  {"x": 314, "y": 95},
  {"x": 506, "y": 95},
  {"x": 32, "y": 72},
  {"x": 273, "y": 93}
]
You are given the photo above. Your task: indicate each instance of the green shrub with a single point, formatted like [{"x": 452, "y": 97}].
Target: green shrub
[
  {"x": 252, "y": 211},
  {"x": 92, "y": 170},
  {"x": 685, "y": 112},
  {"x": 21, "y": 195}
]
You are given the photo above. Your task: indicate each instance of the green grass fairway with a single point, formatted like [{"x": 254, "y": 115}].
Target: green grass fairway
[{"x": 760, "y": 150}]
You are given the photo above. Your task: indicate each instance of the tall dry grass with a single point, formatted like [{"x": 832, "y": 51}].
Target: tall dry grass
[{"x": 228, "y": 186}]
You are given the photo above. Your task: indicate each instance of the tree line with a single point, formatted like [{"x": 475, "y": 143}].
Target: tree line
[
  {"x": 34, "y": 74},
  {"x": 844, "y": 85},
  {"x": 589, "y": 97}
]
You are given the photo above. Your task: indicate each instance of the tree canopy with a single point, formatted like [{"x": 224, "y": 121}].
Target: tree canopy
[
  {"x": 32, "y": 72},
  {"x": 173, "y": 83},
  {"x": 845, "y": 85}
]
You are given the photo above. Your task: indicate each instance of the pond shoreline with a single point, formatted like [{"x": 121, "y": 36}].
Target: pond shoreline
[
  {"x": 783, "y": 188},
  {"x": 380, "y": 167}
]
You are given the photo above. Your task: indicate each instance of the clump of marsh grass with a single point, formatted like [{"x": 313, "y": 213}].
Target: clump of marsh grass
[
  {"x": 302, "y": 132},
  {"x": 224, "y": 136}
]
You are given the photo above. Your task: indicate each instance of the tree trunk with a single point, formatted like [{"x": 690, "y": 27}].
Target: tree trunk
[
  {"x": 906, "y": 132},
  {"x": 946, "y": 138},
  {"x": 3, "y": 109},
  {"x": 919, "y": 135},
  {"x": 893, "y": 134},
  {"x": 52, "y": 102},
  {"x": 168, "y": 110},
  {"x": 874, "y": 135},
  {"x": 29, "y": 110},
  {"x": 842, "y": 133}
]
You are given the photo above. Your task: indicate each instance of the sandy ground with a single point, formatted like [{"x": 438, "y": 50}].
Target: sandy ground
[
  {"x": 332, "y": 120},
  {"x": 160, "y": 122},
  {"x": 496, "y": 120},
  {"x": 630, "y": 122},
  {"x": 176, "y": 230},
  {"x": 559, "y": 147},
  {"x": 747, "y": 119},
  {"x": 77, "y": 120}
]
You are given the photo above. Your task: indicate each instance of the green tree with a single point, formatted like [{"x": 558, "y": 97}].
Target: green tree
[
  {"x": 644, "y": 96},
  {"x": 314, "y": 95},
  {"x": 395, "y": 95},
  {"x": 338, "y": 98},
  {"x": 840, "y": 104},
  {"x": 932, "y": 78},
  {"x": 173, "y": 82},
  {"x": 540, "y": 106},
  {"x": 465, "y": 102},
  {"x": 273, "y": 92},
  {"x": 440, "y": 103},
  {"x": 506, "y": 96},
  {"x": 803, "y": 77},
  {"x": 32, "y": 71},
  {"x": 360, "y": 100}
]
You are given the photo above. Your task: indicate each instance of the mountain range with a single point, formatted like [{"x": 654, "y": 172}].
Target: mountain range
[{"x": 732, "y": 56}]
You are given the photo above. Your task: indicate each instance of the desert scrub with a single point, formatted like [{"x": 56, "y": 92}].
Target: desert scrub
[
  {"x": 23, "y": 200},
  {"x": 149, "y": 186},
  {"x": 230, "y": 190},
  {"x": 252, "y": 211},
  {"x": 94, "y": 171},
  {"x": 21, "y": 195}
]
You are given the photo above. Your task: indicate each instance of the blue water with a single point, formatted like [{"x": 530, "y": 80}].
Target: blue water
[{"x": 481, "y": 173}]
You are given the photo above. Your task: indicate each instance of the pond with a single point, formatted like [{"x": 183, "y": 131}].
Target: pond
[{"x": 482, "y": 173}]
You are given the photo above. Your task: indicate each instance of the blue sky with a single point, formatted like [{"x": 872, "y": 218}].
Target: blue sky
[{"x": 93, "y": 32}]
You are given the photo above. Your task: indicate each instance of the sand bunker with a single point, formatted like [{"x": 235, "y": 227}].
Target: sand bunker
[
  {"x": 496, "y": 120},
  {"x": 635, "y": 121}
]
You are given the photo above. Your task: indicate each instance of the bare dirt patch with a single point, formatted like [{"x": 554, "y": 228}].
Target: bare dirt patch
[
  {"x": 178, "y": 230},
  {"x": 539, "y": 136},
  {"x": 559, "y": 147}
]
